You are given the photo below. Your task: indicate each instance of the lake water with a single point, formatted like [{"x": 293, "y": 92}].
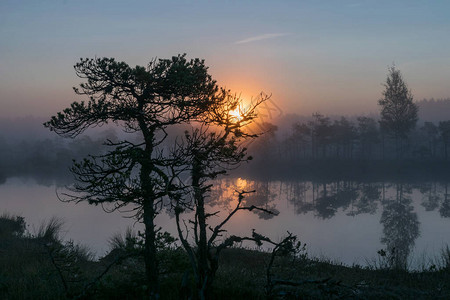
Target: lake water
[{"x": 343, "y": 221}]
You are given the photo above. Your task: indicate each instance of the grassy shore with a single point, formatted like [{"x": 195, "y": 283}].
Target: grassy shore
[{"x": 41, "y": 266}]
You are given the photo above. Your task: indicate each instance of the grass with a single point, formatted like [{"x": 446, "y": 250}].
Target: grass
[{"x": 42, "y": 266}]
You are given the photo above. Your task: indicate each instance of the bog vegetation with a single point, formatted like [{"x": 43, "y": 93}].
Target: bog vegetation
[{"x": 40, "y": 265}]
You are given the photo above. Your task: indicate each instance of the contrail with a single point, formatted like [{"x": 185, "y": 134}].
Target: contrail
[{"x": 262, "y": 37}]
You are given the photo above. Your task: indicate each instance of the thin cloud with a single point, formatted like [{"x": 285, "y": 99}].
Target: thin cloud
[{"x": 262, "y": 37}]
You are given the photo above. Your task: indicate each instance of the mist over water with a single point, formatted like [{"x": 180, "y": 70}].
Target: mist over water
[{"x": 27, "y": 149}]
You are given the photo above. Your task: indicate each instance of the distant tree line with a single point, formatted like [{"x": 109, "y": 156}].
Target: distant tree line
[
  {"x": 360, "y": 138},
  {"x": 319, "y": 138},
  {"x": 47, "y": 160},
  {"x": 393, "y": 136}
]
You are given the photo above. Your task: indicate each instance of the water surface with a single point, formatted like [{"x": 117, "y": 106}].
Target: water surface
[{"x": 345, "y": 221}]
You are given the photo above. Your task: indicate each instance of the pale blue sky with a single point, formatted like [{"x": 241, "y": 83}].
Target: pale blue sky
[{"x": 327, "y": 56}]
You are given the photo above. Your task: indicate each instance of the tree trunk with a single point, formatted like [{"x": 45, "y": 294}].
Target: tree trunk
[
  {"x": 150, "y": 259},
  {"x": 203, "y": 282}
]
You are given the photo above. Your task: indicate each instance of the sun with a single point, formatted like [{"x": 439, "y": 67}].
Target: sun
[{"x": 236, "y": 115}]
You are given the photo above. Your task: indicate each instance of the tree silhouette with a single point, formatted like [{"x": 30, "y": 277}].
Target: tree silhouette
[
  {"x": 143, "y": 100},
  {"x": 368, "y": 136},
  {"x": 320, "y": 134},
  {"x": 398, "y": 111},
  {"x": 343, "y": 136},
  {"x": 430, "y": 135},
  {"x": 209, "y": 151},
  {"x": 444, "y": 131},
  {"x": 299, "y": 139}
]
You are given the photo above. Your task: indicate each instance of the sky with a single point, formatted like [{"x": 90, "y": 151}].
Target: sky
[{"x": 311, "y": 56}]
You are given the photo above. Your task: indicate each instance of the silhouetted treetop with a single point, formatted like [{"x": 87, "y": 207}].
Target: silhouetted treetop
[
  {"x": 146, "y": 100},
  {"x": 398, "y": 111},
  {"x": 167, "y": 91}
]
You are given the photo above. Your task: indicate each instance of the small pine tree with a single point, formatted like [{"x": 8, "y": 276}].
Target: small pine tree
[{"x": 398, "y": 111}]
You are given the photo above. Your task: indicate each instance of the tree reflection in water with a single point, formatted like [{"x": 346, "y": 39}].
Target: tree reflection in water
[
  {"x": 262, "y": 197},
  {"x": 444, "y": 210},
  {"x": 225, "y": 193},
  {"x": 400, "y": 227},
  {"x": 340, "y": 194},
  {"x": 296, "y": 194},
  {"x": 431, "y": 195},
  {"x": 327, "y": 199},
  {"x": 367, "y": 202}
]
